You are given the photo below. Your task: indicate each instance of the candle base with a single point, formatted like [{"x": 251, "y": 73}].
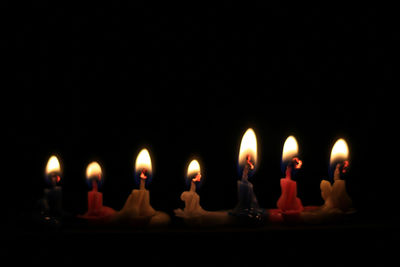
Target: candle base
[
  {"x": 337, "y": 206},
  {"x": 288, "y": 202},
  {"x": 247, "y": 210},
  {"x": 138, "y": 212},
  {"x": 194, "y": 215},
  {"x": 99, "y": 216},
  {"x": 289, "y": 216},
  {"x": 323, "y": 214}
]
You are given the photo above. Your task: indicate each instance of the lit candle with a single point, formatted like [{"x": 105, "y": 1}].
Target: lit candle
[
  {"x": 193, "y": 214},
  {"x": 52, "y": 200},
  {"x": 335, "y": 195},
  {"x": 191, "y": 198},
  {"x": 288, "y": 201},
  {"x": 95, "y": 198},
  {"x": 96, "y": 211},
  {"x": 247, "y": 206},
  {"x": 137, "y": 210},
  {"x": 337, "y": 201}
]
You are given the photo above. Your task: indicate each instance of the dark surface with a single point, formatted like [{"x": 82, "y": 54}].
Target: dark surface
[
  {"x": 101, "y": 83},
  {"x": 339, "y": 244}
]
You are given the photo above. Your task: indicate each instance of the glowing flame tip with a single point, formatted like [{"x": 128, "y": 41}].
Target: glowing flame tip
[
  {"x": 248, "y": 147},
  {"x": 53, "y": 165}
]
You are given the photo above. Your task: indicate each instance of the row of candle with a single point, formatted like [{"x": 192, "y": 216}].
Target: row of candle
[{"x": 137, "y": 209}]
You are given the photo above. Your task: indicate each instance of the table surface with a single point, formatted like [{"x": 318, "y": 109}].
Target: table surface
[{"x": 335, "y": 244}]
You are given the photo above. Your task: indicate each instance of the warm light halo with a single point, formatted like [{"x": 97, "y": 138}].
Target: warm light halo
[
  {"x": 248, "y": 146},
  {"x": 143, "y": 161},
  {"x": 290, "y": 149},
  {"x": 340, "y": 151},
  {"x": 93, "y": 170},
  {"x": 53, "y": 165}
]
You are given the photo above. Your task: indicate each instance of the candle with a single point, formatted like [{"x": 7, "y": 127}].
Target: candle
[
  {"x": 335, "y": 196},
  {"x": 52, "y": 200},
  {"x": 247, "y": 207},
  {"x": 95, "y": 198},
  {"x": 193, "y": 214},
  {"x": 337, "y": 201},
  {"x": 288, "y": 201},
  {"x": 137, "y": 210},
  {"x": 96, "y": 211}
]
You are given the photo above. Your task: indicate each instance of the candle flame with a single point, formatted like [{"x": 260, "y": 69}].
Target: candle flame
[
  {"x": 340, "y": 152},
  {"x": 194, "y": 170},
  {"x": 248, "y": 148},
  {"x": 53, "y": 166},
  {"x": 93, "y": 170},
  {"x": 290, "y": 149},
  {"x": 143, "y": 162}
]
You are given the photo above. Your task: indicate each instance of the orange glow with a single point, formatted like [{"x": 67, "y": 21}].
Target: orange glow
[
  {"x": 290, "y": 150},
  {"x": 340, "y": 152},
  {"x": 93, "y": 170},
  {"x": 53, "y": 166},
  {"x": 143, "y": 163},
  {"x": 194, "y": 169},
  {"x": 248, "y": 148}
]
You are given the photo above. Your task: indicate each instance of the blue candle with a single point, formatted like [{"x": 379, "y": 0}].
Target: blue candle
[
  {"x": 247, "y": 206},
  {"x": 52, "y": 199}
]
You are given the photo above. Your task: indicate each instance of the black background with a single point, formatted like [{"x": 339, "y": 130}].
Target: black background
[{"x": 101, "y": 82}]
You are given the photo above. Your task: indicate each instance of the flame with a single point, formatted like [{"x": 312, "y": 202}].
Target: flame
[
  {"x": 290, "y": 149},
  {"x": 193, "y": 169},
  {"x": 53, "y": 165},
  {"x": 143, "y": 162},
  {"x": 340, "y": 151},
  {"x": 248, "y": 147},
  {"x": 93, "y": 170}
]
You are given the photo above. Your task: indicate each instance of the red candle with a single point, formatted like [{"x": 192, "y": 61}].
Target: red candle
[
  {"x": 289, "y": 205},
  {"x": 288, "y": 200},
  {"x": 96, "y": 211},
  {"x": 95, "y": 198}
]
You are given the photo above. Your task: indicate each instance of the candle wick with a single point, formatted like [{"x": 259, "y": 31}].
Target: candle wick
[
  {"x": 197, "y": 178},
  {"x": 143, "y": 174},
  {"x": 54, "y": 179},
  {"x": 297, "y": 163},
  {"x": 143, "y": 178},
  {"x": 193, "y": 182},
  {"x": 345, "y": 166},
  {"x": 248, "y": 166},
  {"x": 249, "y": 162}
]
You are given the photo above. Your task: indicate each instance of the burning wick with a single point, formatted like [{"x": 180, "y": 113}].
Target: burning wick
[
  {"x": 340, "y": 168},
  {"x": 249, "y": 165},
  {"x": 195, "y": 179},
  {"x": 143, "y": 177},
  {"x": 54, "y": 179},
  {"x": 296, "y": 163}
]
